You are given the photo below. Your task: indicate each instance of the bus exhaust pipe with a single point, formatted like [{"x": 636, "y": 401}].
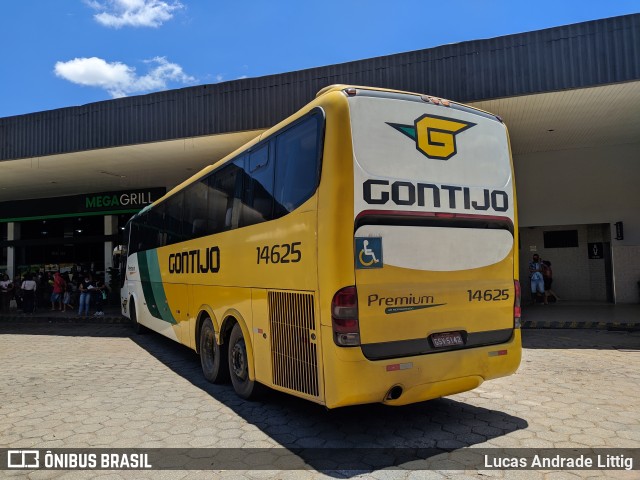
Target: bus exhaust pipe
[{"x": 394, "y": 393}]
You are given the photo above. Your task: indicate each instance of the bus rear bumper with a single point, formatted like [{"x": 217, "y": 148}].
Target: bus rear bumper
[{"x": 352, "y": 379}]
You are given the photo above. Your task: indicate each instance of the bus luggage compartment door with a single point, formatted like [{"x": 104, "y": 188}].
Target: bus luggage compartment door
[{"x": 424, "y": 289}]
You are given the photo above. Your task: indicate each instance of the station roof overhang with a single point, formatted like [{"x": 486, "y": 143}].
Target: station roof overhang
[
  {"x": 564, "y": 120},
  {"x": 129, "y": 167}
]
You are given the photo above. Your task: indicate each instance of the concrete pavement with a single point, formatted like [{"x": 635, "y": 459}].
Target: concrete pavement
[{"x": 98, "y": 385}]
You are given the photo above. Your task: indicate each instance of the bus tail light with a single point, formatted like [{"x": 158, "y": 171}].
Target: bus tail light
[
  {"x": 517, "y": 309},
  {"x": 344, "y": 317}
]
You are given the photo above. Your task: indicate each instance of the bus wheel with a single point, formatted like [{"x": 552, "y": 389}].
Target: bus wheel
[
  {"x": 239, "y": 366},
  {"x": 213, "y": 357},
  {"x": 137, "y": 327}
]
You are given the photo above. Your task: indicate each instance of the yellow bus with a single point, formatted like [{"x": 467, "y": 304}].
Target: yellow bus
[{"x": 363, "y": 250}]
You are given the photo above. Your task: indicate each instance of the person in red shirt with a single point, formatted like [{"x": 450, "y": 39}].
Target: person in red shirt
[{"x": 59, "y": 286}]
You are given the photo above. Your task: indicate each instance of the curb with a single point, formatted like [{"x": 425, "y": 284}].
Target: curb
[
  {"x": 582, "y": 325},
  {"x": 91, "y": 320}
]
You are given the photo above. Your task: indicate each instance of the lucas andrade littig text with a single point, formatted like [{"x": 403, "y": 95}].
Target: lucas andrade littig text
[{"x": 610, "y": 462}]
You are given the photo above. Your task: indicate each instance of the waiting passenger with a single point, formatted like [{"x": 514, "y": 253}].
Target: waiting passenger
[
  {"x": 59, "y": 287},
  {"x": 547, "y": 273},
  {"x": 535, "y": 276},
  {"x": 86, "y": 286},
  {"x": 29, "y": 288},
  {"x": 6, "y": 291}
]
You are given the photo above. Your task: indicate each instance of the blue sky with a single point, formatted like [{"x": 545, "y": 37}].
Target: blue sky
[{"x": 60, "y": 53}]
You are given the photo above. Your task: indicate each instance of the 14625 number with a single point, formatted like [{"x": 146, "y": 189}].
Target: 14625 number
[
  {"x": 494, "y": 295},
  {"x": 285, "y": 253}
]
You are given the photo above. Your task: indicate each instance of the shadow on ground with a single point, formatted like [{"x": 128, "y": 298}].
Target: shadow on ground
[
  {"x": 64, "y": 327},
  {"x": 342, "y": 442},
  {"x": 351, "y": 440}
]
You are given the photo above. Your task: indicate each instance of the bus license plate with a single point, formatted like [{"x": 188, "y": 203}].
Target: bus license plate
[{"x": 450, "y": 339}]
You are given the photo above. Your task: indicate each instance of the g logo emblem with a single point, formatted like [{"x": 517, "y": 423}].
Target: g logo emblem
[{"x": 435, "y": 136}]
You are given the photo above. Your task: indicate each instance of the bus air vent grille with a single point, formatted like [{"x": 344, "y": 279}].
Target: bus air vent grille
[{"x": 293, "y": 341}]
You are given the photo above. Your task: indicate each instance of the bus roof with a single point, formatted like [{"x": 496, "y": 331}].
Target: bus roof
[{"x": 348, "y": 90}]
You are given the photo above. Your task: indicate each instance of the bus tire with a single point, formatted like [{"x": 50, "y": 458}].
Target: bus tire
[
  {"x": 137, "y": 327},
  {"x": 239, "y": 366},
  {"x": 213, "y": 357}
]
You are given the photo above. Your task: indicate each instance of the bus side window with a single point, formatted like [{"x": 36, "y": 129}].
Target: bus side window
[
  {"x": 297, "y": 165},
  {"x": 134, "y": 238},
  {"x": 145, "y": 240},
  {"x": 198, "y": 227},
  {"x": 174, "y": 218},
  {"x": 155, "y": 227},
  {"x": 195, "y": 209},
  {"x": 257, "y": 196},
  {"x": 224, "y": 191}
]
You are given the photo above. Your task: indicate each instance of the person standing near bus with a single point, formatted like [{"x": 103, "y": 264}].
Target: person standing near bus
[
  {"x": 547, "y": 274},
  {"x": 17, "y": 291},
  {"x": 59, "y": 286},
  {"x": 68, "y": 290},
  {"x": 85, "y": 287},
  {"x": 29, "y": 287},
  {"x": 537, "y": 280},
  {"x": 6, "y": 290},
  {"x": 100, "y": 293}
]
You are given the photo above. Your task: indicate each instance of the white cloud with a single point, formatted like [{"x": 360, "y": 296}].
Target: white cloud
[
  {"x": 133, "y": 13},
  {"x": 120, "y": 79}
]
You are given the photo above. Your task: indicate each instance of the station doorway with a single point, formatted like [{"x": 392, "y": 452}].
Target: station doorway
[
  {"x": 580, "y": 256},
  {"x": 70, "y": 244}
]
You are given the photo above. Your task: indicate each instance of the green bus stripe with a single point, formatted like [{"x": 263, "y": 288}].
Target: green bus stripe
[
  {"x": 145, "y": 280},
  {"x": 158, "y": 288},
  {"x": 152, "y": 284}
]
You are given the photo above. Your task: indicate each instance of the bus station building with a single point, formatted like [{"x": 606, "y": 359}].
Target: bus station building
[{"x": 570, "y": 96}]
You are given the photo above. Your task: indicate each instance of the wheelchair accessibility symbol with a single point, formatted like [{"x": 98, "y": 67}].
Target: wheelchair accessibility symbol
[{"x": 369, "y": 252}]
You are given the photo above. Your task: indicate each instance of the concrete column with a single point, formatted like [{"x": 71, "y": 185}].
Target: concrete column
[
  {"x": 110, "y": 228},
  {"x": 13, "y": 233}
]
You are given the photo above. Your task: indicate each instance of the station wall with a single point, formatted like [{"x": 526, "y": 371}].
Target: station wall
[{"x": 578, "y": 188}]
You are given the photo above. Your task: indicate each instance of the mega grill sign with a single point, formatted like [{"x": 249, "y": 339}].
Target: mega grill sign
[
  {"x": 128, "y": 201},
  {"x": 111, "y": 200}
]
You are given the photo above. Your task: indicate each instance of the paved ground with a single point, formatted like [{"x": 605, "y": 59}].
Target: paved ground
[{"x": 98, "y": 385}]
